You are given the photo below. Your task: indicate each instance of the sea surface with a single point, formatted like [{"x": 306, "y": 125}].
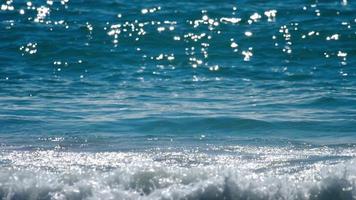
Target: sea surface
[{"x": 178, "y": 99}]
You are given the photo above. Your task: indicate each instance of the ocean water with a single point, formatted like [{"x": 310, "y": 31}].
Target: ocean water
[{"x": 163, "y": 99}]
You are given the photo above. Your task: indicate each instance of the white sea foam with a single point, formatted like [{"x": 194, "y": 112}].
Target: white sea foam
[{"x": 238, "y": 173}]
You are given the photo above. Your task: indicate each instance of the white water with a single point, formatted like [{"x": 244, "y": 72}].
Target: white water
[{"x": 234, "y": 172}]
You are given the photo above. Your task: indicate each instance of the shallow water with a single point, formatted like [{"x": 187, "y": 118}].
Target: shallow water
[{"x": 177, "y": 99}]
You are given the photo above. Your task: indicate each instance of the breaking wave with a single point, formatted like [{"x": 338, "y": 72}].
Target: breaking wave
[{"x": 237, "y": 173}]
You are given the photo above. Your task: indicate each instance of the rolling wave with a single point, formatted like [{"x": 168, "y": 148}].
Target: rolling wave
[{"x": 247, "y": 173}]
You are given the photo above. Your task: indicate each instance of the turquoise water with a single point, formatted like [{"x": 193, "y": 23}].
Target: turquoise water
[{"x": 177, "y": 99}]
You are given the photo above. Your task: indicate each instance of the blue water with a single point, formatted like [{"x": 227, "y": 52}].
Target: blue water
[{"x": 178, "y": 99}]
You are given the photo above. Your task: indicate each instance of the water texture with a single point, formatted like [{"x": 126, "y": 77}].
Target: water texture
[{"x": 158, "y": 99}]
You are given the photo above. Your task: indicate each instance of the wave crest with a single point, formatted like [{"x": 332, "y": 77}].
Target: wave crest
[{"x": 255, "y": 174}]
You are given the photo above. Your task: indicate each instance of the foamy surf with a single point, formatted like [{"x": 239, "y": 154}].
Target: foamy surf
[{"x": 230, "y": 172}]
